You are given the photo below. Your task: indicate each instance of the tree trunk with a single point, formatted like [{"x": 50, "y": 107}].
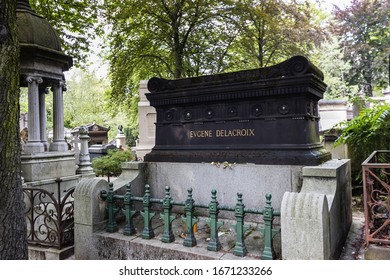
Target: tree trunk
[
  {"x": 177, "y": 53},
  {"x": 13, "y": 232},
  {"x": 367, "y": 77}
]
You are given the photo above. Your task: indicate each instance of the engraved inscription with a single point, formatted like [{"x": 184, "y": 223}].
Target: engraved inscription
[
  {"x": 235, "y": 132},
  {"x": 200, "y": 133},
  {"x": 246, "y": 132}
]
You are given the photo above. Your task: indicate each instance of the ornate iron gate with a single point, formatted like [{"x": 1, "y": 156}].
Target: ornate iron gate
[
  {"x": 376, "y": 187},
  {"x": 49, "y": 216}
]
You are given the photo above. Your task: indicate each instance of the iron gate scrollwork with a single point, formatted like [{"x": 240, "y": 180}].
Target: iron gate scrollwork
[
  {"x": 49, "y": 216},
  {"x": 376, "y": 187}
]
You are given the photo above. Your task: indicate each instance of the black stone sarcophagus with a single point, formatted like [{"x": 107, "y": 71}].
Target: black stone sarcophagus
[{"x": 262, "y": 116}]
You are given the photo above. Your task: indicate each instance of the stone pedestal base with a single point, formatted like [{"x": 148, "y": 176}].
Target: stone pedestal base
[
  {"x": 33, "y": 148},
  {"x": 121, "y": 141},
  {"x": 43, "y": 166},
  {"x": 58, "y": 146},
  {"x": 86, "y": 170},
  {"x": 42, "y": 253},
  {"x": 254, "y": 181}
]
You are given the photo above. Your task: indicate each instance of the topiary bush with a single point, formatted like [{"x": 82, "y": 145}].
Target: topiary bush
[{"x": 110, "y": 165}]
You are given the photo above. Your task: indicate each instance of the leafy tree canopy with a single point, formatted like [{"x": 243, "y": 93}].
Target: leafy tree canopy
[
  {"x": 330, "y": 59},
  {"x": 365, "y": 35},
  {"x": 75, "y": 22},
  {"x": 184, "y": 38},
  {"x": 173, "y": 39},
  {"x": 86, "y": 101},
  {"x": 271, "y": 31}
]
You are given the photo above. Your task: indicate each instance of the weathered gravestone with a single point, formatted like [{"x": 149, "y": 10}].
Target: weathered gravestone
[{"x": 262, "y": 116}]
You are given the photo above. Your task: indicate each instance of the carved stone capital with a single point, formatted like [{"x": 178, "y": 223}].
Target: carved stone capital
[
  {"x": 44, "y": 90},
  {"x": 34, "y": 79},
  {"x": 63, "y": 85},
  {"x": 60, "y": 84}
]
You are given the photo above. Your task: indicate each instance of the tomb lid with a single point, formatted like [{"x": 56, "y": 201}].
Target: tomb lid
[{"x": 293, "y": 67}]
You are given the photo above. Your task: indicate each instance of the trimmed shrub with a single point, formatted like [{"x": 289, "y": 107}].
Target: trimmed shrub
[{"x": 110, "y": 165}]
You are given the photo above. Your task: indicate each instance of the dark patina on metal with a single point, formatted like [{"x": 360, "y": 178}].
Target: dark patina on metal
[{"x": 262, "y": 116}]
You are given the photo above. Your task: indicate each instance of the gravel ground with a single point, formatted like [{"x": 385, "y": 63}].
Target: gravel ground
[{"x": 354, "y": 245}]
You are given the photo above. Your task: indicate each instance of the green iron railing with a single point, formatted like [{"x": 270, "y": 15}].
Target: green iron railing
[{"x": 127, "y": 208}]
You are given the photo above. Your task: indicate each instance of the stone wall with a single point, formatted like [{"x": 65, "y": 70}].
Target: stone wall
[{"x": 254, "y": 181}]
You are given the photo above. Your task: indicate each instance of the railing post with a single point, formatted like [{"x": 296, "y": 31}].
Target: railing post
[
  {"x": 240, "y": 248},
  {"x": 58, "y": 205},
  {"x": 268, "y": 217},
  {"x": 31, "y": 211},
  {"x": 148, "y": 232},
  {"x": 189, "y": 240},
  {"x": 111, "y": 225},
  {"x": 168, "y": 235},
  {"x": 212, "y": 221},
  {"x": 129, "y": 212}
]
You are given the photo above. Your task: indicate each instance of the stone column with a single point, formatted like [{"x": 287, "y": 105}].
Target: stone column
[
  {"x": 42, "y": 116},
  {"x": 84, "y": 158},
  {"x": 34, "y": 144},
  {"x": 58, "y": 144}
]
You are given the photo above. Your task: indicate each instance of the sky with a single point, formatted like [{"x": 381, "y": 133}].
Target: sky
[{"x": 328, "y": 4}]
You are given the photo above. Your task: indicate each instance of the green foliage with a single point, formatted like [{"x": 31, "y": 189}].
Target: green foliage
[
  {"x": 111, "y": 163},
  {"x": 366, "y": 133},
  {"x": 74, "y": 21},
  {"x": 130, "y": 137},
  {"x": 271, "y": 31},
  {"x": 86, "y": 101},
  {"x": 186, "y": 38},
  {"x": 23, "y": 100},
  {"x": 330, "y": 59},
  {"x": 173, "y": 39},
  {"x": 365, "y": 34}
]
